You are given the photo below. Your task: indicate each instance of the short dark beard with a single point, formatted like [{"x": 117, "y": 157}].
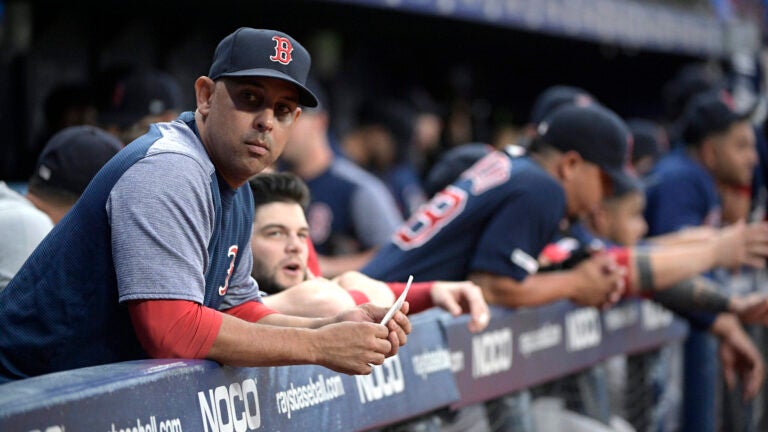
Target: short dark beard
[{"x": 267, "y": 282}]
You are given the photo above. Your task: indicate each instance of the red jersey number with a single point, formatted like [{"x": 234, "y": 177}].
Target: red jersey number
[{"x": 430, "y": 218}]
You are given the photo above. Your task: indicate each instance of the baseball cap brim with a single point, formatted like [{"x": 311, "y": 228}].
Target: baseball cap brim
[
  {"x": 306, "y": 97},
  {"x": 624, "y": 181}
]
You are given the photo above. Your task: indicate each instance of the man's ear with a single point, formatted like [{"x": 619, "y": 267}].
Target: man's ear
[
  {"x": 567, "y": 166},
  {"x": 204, "y": 88},
  {"x": 708, "y": 151},
  {"x": 297, "y": 114}
]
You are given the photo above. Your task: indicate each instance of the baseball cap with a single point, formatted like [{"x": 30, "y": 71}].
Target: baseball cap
[
  {"x": 73, "y": 156},
  {"x": 649, "y": 138},
  {"x": 556, "y": 96},
  {"x": 689, "y": 81},
  {"x": 706, "y": 114},
  {"x": 598, "y": 135},
  {"x": 264, "y": 53},
  {"x": 140, "y": 94}
]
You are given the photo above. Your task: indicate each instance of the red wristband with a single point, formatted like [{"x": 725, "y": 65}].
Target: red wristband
[{"x": 622, "y": 255}]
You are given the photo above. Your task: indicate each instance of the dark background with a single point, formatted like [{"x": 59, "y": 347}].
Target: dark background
[{"x": 359, "y": 53}]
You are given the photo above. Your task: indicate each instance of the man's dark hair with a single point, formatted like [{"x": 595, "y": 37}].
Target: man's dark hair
[{"x": 279, "y": 187}]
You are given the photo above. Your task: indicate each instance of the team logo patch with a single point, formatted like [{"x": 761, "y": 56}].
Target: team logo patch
[
  {"x": 283, "y": 50},
  {"x": 232, "y": 253},
  {"x": 525, "y": 261}
]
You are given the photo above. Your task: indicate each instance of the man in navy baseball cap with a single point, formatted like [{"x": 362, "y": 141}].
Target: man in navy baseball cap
[
  {"x": 175, "y": 206},
  {"x": 597, "y": 134},
  {"x": 137, "y": 100},
  {"x": 709, "y": 113},
  {"x": 557, "y": 96},
  {"x": 252, "y": 52},
  {"x": 66, "y": 166}
]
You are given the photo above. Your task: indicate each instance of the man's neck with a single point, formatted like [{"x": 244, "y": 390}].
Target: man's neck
[
  {"x": 54, "y": 211},
  {"x": 695, "y": 154}
]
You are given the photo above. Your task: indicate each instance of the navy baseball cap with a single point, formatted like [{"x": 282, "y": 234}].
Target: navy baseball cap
[
  {"x": 689, "y": 81},
  {"x": 73, "y": 156},
  {"x": 650, "y": 139},
  {"x": 598, "y": 135},
  {"x": 141, "y": 94},
  {"x": 252, "y": 52},
  {"x": 556, "y": 96},
  {"x": 708, "y": 113}
]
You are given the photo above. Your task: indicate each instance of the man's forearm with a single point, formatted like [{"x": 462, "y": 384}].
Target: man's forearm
[
  {"x": 670, "y": 265},
  {"x": 283, "y": 320},
  {"x": 240, "y": 343},
  {"x": 693, "y": 295},
  {"x": 535, "y": 290}
]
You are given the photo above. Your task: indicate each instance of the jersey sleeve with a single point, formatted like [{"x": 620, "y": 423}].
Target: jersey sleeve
[
  {"x": 161, "y": 223},
  {"x": 519, "y": 230},
  {"x": 375, "y": 214},
  {"x": 675, "y": 204}
]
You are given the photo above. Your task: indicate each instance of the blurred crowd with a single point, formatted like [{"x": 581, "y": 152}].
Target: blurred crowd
[{"x": 675, "y": 210}]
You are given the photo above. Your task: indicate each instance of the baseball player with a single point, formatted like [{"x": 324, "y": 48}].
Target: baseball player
[
  {"x": 154, "y": 259},
  {"x": 683, "y": 192},
  {"x": 492, "y": 223}
]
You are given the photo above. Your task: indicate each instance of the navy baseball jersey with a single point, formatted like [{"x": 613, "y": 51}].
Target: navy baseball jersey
[
  {"x": 156, "y": 222},
  {"x": 680, "y": 193},
  {"x": 406, "y": 188},
  {"x": 497, "y": 217},
  {"x": 350, "y": 210}
]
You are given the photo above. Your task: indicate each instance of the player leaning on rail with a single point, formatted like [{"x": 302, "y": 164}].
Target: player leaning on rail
[{"x": 154, "y": 259}]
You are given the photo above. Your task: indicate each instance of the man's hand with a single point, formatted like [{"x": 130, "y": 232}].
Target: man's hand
[
  {"x": 399, "y": 326},
  {"x": 739, "y": 356},
  {"x": 757, "y": 244},
  {"x": 352, "y": 347},
  {"x": 740, "y": 244},
  {"x": 750, "y": 308},
  {"x": 462, "y": 297},
  {"x": 602, "y": 281}
]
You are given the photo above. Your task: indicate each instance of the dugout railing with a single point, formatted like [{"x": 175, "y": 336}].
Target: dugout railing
[{"x": 442, "y": 366}]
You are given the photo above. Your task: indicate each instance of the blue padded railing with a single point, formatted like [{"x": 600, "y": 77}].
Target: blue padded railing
[{"x": 443, "y": 365}]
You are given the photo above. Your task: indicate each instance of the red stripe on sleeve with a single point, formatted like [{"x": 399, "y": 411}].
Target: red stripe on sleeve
[
  {"x": 419, "y": 297},
  {"x": 313, "y": 264},
  {"x": 358, "y": 296}
]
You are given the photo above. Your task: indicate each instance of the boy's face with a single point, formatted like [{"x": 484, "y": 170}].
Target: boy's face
[{"x": 622, "y": 219}]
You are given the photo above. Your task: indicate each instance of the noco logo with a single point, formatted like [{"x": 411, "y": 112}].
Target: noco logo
[
  {"x": 385, "y": 380},
  {"x": 231, "y": 408},
  {"x": 492, "y": 353}
]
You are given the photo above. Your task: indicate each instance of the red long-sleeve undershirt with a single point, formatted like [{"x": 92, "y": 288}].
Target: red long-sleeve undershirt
[{"x": 183, "y": 328}]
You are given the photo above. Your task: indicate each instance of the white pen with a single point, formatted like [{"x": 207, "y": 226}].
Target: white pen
[{"x": 398, "y": 303}]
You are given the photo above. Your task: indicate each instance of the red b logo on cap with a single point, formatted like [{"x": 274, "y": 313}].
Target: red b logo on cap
[{"x": 283, "y": 50}]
